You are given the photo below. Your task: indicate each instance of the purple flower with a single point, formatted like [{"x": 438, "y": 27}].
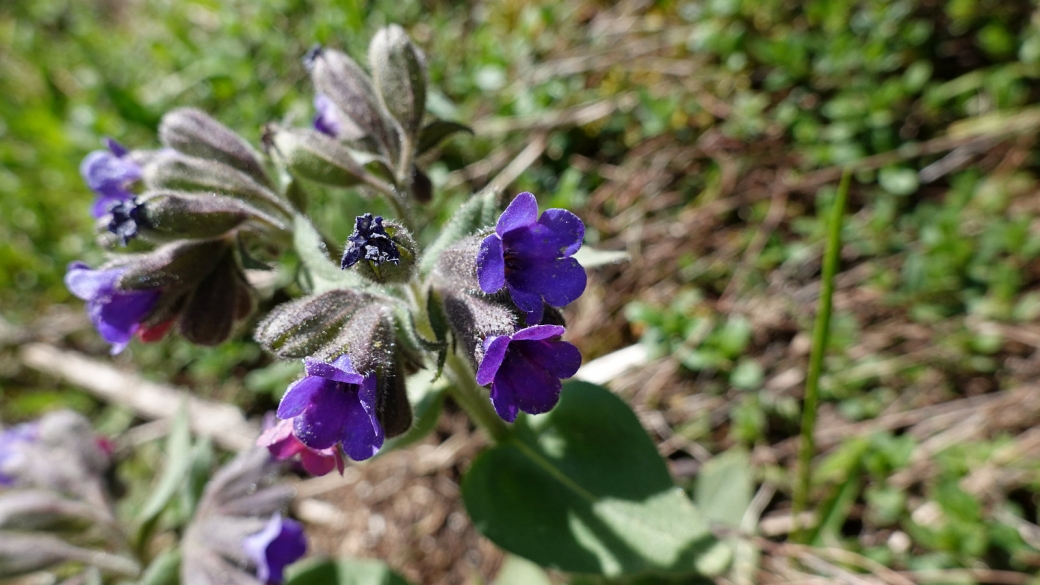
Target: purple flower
[
  {"x": 334, "y": 404},
  {"x": 524, "y": 369},
  {"x": 369, "y": 242},
  {"x": 282, "y": 444},
  {"x": 116, "y": 314},
  {"x": 275, "y": 547},
  {"x": 109, "y": 173},
  {"x": 531, "y": 257},
  {"x": 328, "y": 119},
  {"x": 126, "y": 219},
  {"x": 12, "y": 449}
]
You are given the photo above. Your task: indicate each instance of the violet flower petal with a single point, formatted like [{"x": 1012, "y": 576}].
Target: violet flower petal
[
  {"x": 494, "y": 353},
  {"x": 278, "y": 545},
  {"x": 522, "y": 211},
  {"x": 299, "y": 396},
  {"x": 491, "y": 265}
]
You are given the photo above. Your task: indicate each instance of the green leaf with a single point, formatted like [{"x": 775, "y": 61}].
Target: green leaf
[
  {"x": 582, "y": 489},
  {"x": 314, "y": 254},
  {"x": 725, "y": 487},
  {"x": 520, "y": 571},
  {"x": 433, "y": 133},
  {"x": 473, "y": 215},
  {"x": 345, "y": 572},
  {"x": 201, "y": 469},
  {"x": 175, "y": 472}
]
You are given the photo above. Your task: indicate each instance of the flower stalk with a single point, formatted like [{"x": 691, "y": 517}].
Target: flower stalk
[
  {"x": 470, "y": 398},
  {"x": 821, "y": 334}
]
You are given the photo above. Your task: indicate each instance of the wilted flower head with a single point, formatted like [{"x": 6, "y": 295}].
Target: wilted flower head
[
  {"x": 334, "y": 404},
  {"x": 370, "y": 242},
  {"x": 524, "y": 369},
  {"x": 278, "y": 545},
  {"x": 531, "y": 257},
  {"x": 109, "y": 173},
  {"x": 126, "y": 219},
  {"x": 283, "y": 444},
  {"x": 116, "y": 314}
]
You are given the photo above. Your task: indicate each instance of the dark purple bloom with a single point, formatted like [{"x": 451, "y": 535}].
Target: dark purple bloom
[
  {"x": 281, "y": 543},
  {"x": 531, "y": 257},
  {"x": 370, "y": 242},
  {"x": 126, "y": 219},
  {"x": 12, "y": 449},
  {"x": 524, "y": 369},
  {"x": 282, "y": 444},
  {"x": 334, "y": 404},
  {"x": 328, "y": 120},
  {"x": 116, "y": 314},
  {"x": 109, "y": 173}
]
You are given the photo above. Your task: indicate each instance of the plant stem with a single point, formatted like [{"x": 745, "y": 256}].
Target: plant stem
[
  {"x": 470, "y": 397},
  {"x": 821, "y": 332}
]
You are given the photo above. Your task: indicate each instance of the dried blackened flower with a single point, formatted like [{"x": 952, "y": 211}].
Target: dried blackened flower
[
  {"x": 126, "y": 219},
  {"x": 370, "y": 242}
]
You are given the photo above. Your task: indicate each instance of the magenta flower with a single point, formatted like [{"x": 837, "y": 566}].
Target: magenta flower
[
  {"x": 109, "y": 174},
  {"x": 116, "y": 314},
  {"x": 282, "y": 444},
  {"x": 531, "y": 257},
  {"x": 524, "y": 369},
  {"x": 334, "y": 404},
  {"x": 281, "y": 543}
]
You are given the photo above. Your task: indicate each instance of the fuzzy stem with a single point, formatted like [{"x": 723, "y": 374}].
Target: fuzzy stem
[
  {"x": 821, "y": 332},
  {"x": 470, "y": 397}
]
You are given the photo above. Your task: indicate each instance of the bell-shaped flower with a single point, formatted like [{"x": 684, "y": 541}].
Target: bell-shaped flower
[
  {"x": 109, "y": 173},
  {"x": 116, "y": 314},
  {"x": 283, "y": 444},
  {"x": 525, "y": 368},
  {"x": 281, "y": 543},
  {"x": 334, "y": 404},
  {"x": 531, "y": 257}
]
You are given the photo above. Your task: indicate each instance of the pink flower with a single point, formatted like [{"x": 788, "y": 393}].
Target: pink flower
[{"x": 283, "y": 444}]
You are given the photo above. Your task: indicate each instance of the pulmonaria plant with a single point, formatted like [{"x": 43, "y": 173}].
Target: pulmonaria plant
[{"x": 191, "y": 226}]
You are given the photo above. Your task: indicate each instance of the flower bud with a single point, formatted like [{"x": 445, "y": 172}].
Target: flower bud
[
  {"x": 317, "y": 157},
  {"x": 221, "y": 298},
  {"x": 399, "y": 73},
  {"x": 344, "y": 82},
  {"x": 176, "y": 266},
  {"x": 176, "y": 215},
  {"x": 170, "y": 169},
  {"x": 392, "y": 407},
  {"x": 473, "y": 319},
  {"x": 194, "y": 133},
  {"x": 306, "y": 326},
  {"x": 368, "y": 337},
  {"x": 382, "y": 251}
]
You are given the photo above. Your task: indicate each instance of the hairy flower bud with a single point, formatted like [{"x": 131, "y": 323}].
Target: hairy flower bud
[
  {"x": 176, "y": 215},
  {"x": 473, "y": 319},
  {"x": 194, "y": 133},
  {"x": 399, "y": 73},
  {"x": 169, "y": 169},
  {"x": 308, "y": 326},
  {"x": 344, "y": 82},
  {"x": 315, "y": 156}
]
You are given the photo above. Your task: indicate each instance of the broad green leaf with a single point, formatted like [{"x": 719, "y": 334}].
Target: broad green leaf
[
  {"x": 344, "y": 572},
  {"x": 725, "y": 487},
  {"x": 314, "y": 254},
  {"x": 520, "y": 571},
  {"x": 582, "y": 489},
  {"x": 175, "y": 472},
  {"x": 473, "y": 215}
]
